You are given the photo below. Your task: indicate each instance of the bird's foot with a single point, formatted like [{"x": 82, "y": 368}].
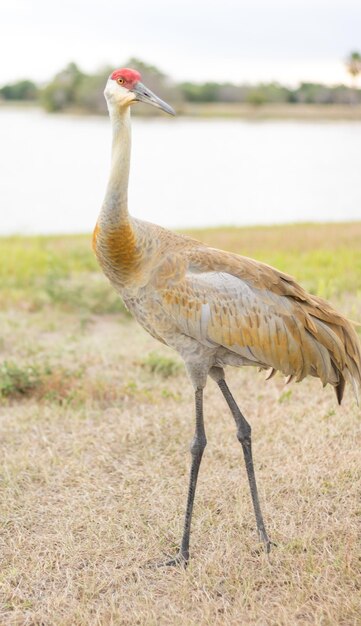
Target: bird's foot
[
  {"x": 181, "y": 559},
  {"x": 267, "y": 543}
]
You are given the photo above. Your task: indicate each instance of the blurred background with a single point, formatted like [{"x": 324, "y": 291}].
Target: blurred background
[{"x": 268, "y": 97}]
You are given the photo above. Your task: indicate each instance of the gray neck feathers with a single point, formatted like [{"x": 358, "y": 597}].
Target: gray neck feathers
[{"x": 115, "y": 206}]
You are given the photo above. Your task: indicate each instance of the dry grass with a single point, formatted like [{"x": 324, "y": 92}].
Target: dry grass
[{"x": 95, "y": 470}]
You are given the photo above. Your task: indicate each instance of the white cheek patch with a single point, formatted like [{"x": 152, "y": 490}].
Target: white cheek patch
[
  {"x": 122, "y": 91},
  {"x": 114, "y": 92}
]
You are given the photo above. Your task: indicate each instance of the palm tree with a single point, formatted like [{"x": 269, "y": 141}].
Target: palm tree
[{"x": 353, "y": 66}]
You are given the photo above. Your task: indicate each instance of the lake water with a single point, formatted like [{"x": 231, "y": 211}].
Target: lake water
[{"x": 184, "y": 172}]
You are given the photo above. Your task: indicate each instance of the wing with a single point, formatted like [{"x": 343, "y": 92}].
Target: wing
[{"x": 258, "y": 313}]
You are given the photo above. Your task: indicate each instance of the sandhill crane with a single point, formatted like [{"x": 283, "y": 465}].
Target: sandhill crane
[{"x": 213, "y": 307}]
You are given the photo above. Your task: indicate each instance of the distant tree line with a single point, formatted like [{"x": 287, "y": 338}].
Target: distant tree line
[
  {"x": 21, "y": 90},
  {"x": 71, "y": 89},
  {"x": 305, "y": 93}
]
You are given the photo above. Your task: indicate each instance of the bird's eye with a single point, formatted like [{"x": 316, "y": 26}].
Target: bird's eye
[{"x": 120, "y": 81}]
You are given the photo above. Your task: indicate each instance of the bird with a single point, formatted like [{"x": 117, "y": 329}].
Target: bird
[{"x": 215, "y": 308}]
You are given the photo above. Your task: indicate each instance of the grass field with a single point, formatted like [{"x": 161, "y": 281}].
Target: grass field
[{"x": 95, "y": 423}]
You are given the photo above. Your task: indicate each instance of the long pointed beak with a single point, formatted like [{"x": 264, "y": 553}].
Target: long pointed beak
[{"x": 143, "y": 94}]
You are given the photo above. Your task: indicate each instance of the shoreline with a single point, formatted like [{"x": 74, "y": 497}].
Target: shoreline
[{"x": 217, "y": 110}]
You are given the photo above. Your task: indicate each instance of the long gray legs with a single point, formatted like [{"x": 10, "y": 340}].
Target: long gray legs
[
  {"x": 197, "y": 448},
  {"x": 244, "y": 437}
]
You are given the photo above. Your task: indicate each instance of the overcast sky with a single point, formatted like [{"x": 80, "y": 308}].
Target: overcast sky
[{"x": 244, "y": 40}]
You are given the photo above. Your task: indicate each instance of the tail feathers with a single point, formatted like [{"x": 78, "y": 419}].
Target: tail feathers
[
  {"x": 340, "y": 388},
  {"x": 343, "y": 346},
  {"x": 352, "y": 375},
  {"x": 331, "y": 349}
]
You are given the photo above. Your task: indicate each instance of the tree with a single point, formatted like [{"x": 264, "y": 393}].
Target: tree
[
  {"x": 22, "y": 90},
  {"x": 256, "y": 96},
  {"x": 353, "y": 65},
  {"x": 89, "y": 93},
  {"x": 61, "y": 92}
]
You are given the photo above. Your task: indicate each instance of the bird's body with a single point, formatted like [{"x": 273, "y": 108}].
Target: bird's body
[
  {"x": 214, "y": 307},
  {"x": 224, "y": 309}
]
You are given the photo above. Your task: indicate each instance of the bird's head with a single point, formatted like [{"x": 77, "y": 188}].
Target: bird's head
[{"x": 124, "y": 87}]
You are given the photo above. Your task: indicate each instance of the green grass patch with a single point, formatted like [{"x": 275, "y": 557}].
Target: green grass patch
[
  {"x": 285, "y": 396},
  {"x": 62, "y": 271},
  {"x": 16, "y": 381},
  {"x": 52, "y": 383},
  {"x": 165, "y": 366},
  {"x": 59, "y": 271}
]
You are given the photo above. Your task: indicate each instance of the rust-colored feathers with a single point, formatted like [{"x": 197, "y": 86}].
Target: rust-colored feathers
[
  {"x": 263, "y": 316},
  {"x": 246, "y": 312}
]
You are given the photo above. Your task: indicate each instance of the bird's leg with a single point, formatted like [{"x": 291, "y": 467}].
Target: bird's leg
[
  {"x": 244, "y": 437},
  {"x": 198, "y": 444}
]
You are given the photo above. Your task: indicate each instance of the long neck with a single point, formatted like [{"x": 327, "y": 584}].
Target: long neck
[{"x": 115, "y": 207}]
